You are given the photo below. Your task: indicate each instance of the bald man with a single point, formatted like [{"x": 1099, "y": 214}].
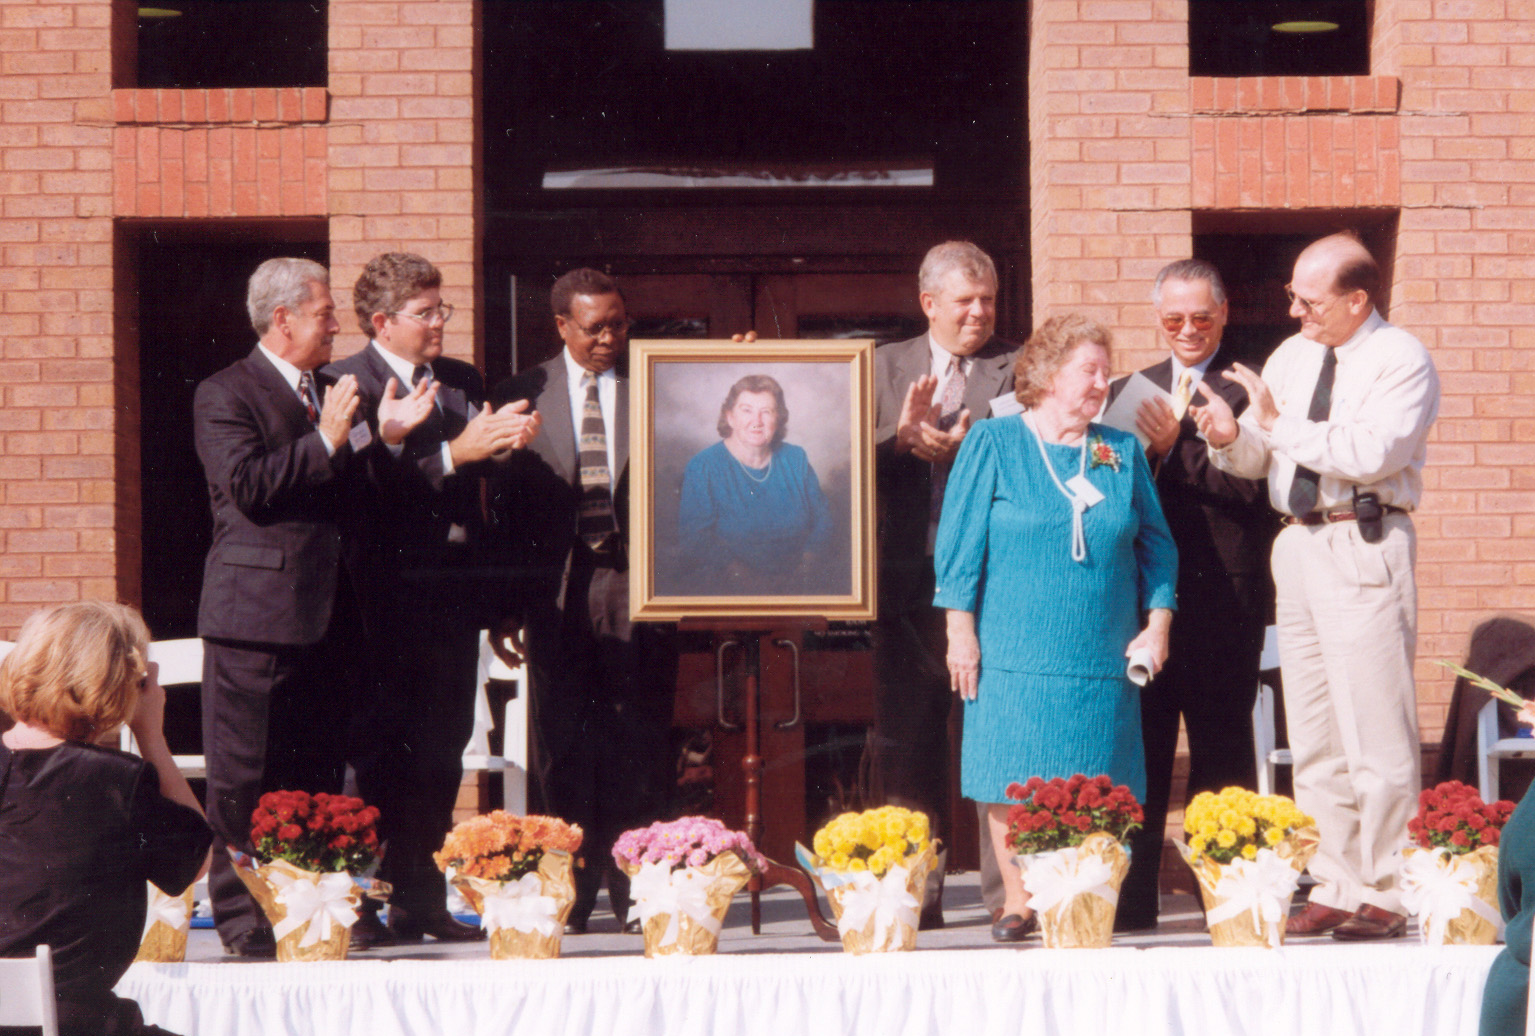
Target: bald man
[{"x": 1338, "y": 423}]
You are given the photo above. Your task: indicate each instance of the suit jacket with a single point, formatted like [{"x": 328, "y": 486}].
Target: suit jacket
[
  {"x": 904, "y": 482},
  {"x": 1222, "y": 524},
  {"x": 535, "y": 497},
  {"x": 279, "y": 539}
]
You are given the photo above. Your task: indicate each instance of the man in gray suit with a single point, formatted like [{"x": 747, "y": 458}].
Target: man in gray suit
[
  {"x": 928, "y": 391},
  {"x": 602, "y": 686}
]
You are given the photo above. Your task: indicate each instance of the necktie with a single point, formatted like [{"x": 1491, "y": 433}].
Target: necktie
[
  {"x": 420, "y": 371},
  {"x": 1184, "y": 395},
  {"x": 307, "y": 394},
  {"x": 596, "y": 522},
  {"x": 949, "y": 406},
  {"x": 1303, "y": 489}
]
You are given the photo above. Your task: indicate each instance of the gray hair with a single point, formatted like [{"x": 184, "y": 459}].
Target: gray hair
[
  {"x": 943, "y": 259},
  {"x": 1190, "y": 270},
  {"x": 281, "y": 282}
]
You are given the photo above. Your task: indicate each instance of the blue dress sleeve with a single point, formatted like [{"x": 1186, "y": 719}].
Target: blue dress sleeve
[
  {"x": 959, "y": 555},
  {"x": 820, "y": 512},
  {"x": 698, "y": 512},
  {"x": 1156, "y": 556}
]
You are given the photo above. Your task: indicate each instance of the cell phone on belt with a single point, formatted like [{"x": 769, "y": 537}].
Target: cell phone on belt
[{"x": 1370, "y": 515}]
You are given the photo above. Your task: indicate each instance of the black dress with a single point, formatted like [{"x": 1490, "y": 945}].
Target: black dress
[{"x": 81, "y": 829}]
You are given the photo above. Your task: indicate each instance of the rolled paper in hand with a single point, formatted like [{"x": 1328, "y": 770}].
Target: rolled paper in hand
[{"x": 1141, "y": 667}]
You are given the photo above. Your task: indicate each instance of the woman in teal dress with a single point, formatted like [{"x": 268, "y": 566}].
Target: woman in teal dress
[
  {"x": 752, "y": 518},
  {"x": 1507, "y": 993},
  {"x": 1051, "y": 549}
]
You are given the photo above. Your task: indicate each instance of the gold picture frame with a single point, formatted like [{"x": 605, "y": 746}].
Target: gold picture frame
[{"x": 710, "y": 541}]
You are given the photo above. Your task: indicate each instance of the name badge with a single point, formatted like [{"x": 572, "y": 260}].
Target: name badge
[
  {"x": 359, "y": 436},
  {"x": 1084, "y": 491}
]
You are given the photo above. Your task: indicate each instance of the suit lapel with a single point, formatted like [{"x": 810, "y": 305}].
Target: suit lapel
[
  {"x": 283, "y": 399},
  {"x": 987, "y": 377},
  {"x": 559, "y": 432}
]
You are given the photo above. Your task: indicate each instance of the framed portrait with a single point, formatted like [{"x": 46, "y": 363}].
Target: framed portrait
[{"x": 751, "y": 475}]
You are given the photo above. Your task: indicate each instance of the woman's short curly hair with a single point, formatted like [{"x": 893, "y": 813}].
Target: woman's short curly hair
[
  {"x": 755, "y": 383},
  {"x": 1046, "y": 351},
  {"x": 76, "y": 668}
]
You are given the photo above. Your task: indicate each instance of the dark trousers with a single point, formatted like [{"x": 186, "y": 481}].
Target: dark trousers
[
  {"x": 601, "y": 708},
  {"x": 912, "y": 699},
  {"x": 409, "y": 730},
  {"x": 274, "y": 718},
  {"x": 1210, "y": 681}
]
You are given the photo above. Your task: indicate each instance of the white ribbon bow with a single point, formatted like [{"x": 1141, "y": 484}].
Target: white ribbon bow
[
  {"x": 170, "y": 911},
  {"x": 1063, "y": 874},
  {"x": 521, "y": 906},
  {"x": 1437, "y": 886},
  {"x": 316, "y": 903},
  {"x": 1262, "y": 886},
  {"x": 657, "y": 889},
  {"x": 886, "y": 899}
]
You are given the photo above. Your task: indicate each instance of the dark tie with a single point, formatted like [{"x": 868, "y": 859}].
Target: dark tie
[
  {"x": 1303, "y": 489},
  {"x": 949, "y": 406},
  {"x": 307, "y": 394},
  {"x": 596, "y": 523},
  {"x": 420, "y": 371}
]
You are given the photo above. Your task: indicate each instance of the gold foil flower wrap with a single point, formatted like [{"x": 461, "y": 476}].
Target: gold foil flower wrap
[
  {"x": 311, "y": 913},
  {"x": 879, "y": 914},
  {"x": 1454, "y": 895},
  {"x": 166, "y": 921},
  {"x": 682, "y": 911},
  {"x": 1075, "y": 891},
  {"x": 524, "y": 918},
  {"x": 1248, "y": 901}
]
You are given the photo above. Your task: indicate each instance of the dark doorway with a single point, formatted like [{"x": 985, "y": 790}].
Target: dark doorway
[{"x": 191, "y": 322}]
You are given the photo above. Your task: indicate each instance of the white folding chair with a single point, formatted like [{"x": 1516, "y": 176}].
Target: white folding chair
[
  {"x": 26, "y": 992},
  {"x": 181, "y": 662},
  {"x": 1268, "y": 757},
  {"x": 513, "y": 760},
  {"x": 1492, "y": 749}
]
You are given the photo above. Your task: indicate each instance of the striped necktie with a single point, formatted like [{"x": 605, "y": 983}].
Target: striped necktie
[
  {"x": 596, "y": 524},
  {"x": 307, "y": 394}
]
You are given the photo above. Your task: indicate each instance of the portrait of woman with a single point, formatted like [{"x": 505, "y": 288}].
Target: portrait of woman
[
  {"x": 752, "y": 516},
  {"x": 1051, "y": 548}
]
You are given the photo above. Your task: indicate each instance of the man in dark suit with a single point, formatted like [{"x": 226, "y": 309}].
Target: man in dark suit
[
  {"x": 278, "y": 609},
  {"x": 1223, "y": 528},
  {"x": 602, "y": 686},
  {"x": 928, "y": 390},
  {"x": 419, "y": 532}
]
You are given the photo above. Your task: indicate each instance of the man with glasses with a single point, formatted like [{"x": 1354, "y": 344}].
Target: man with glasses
[
  {"x": 1223, "y": 529},
  {"x": 420, "y": 524},
  {"x": 1338, "y": 423},
  {"x": 602, "y": 686}
]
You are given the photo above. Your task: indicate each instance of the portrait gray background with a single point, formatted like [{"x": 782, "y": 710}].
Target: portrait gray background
[{"x": 688, "y": 397}]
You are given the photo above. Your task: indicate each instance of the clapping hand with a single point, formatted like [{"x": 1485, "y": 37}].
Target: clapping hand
[
  {"x": 1154, "y": 418},
  {"x": 495, "y": 433},
  {"x": 336, "y": 411},
  {"x": 397, "y": 418},
  {"x": 1214, "y": 418}
]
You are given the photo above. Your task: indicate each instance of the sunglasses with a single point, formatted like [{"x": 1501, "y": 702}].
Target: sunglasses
[{"x": 1201, "y": 321}]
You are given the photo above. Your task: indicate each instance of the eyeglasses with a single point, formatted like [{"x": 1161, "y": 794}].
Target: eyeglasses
[
  {"x": 427, "y": 317},
  {"x": 617, "y": 328},
  {"x": 1314, "y": 308},
  {"x": 1175, "y": 321}
]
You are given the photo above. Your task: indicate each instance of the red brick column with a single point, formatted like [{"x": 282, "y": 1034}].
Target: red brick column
[
  {"x": 403, "y": 151},
  {"x": 59, "y": 406}
]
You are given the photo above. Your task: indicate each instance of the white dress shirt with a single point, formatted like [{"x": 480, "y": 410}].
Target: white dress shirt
[
  {"x": 607, "y": 396},
  {"x": 1385, "y": 397},
  {"x": 940, "y": 366},
  {"x": 291, "y": 375}
]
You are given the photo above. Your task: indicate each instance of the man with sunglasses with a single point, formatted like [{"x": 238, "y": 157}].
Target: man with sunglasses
[
  {"x": 602, "y": 686},
  {"x": 1223, "y": 527},
  {"x": 421, "y": 524},
  {"x": 1338, "y": 423}
]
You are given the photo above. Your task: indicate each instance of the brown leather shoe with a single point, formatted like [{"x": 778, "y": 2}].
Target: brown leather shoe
[
  {"x": 1316, "y": 919},
  {"x": 1371, "y": 922},
  {"x": 369, "y": 932}
]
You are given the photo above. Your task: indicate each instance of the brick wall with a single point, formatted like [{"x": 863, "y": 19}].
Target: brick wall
[
  {"x": 1125, "y": 144},
  {"x": 59, "y": 537},
  {"x": 403, "y": 155}
]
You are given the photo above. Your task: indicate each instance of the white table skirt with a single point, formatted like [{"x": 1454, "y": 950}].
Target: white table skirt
[{"x": 1326, "y": 990}]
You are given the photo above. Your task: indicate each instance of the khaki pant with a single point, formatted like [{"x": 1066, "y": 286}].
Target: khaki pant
[{"x": 1347, "y": 623}]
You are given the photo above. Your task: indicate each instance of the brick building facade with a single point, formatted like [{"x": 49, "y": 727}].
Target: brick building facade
[{"x": 1132, "y": 162}]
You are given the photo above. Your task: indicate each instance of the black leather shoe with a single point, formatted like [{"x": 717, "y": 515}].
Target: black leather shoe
[
  {"x": 253, "y": 944},
  {"x": 1134, "y": 922},
  {"x": 440, "y": 925},
  {"x": 370, "y": 932},
  {"x": 575, "y": 926},
  {"x": 931, "y": 917},
  {"x": 1014, "y": 928}
]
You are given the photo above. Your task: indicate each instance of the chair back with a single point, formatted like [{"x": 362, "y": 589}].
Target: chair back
[
  {"x": 26, "y": 992},
  {"x": 181, "y": 662}
]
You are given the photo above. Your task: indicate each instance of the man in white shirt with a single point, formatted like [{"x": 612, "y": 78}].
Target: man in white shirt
[
  {"x": 602, "y": 686},
  {"x": 1339, "y": 423}
]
